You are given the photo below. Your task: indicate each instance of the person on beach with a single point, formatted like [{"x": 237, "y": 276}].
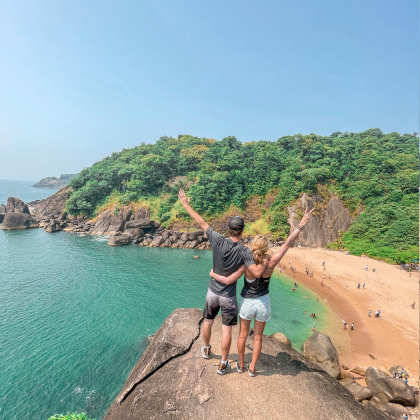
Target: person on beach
[
  {"x": 352, "y": 326},
  {"x": 329, "y": 285},
  {"x": 370, "y": 311},
  {"x": 358, "y": 286},
  {"x": 364, "y": 284},
  {"x": 255, "y": 301},
  {"x": 413, "y": 305},
  {"x": 367, "y": 268},
  {"x": 345, "y": 325},
  {"x": 228, "y": 256}
]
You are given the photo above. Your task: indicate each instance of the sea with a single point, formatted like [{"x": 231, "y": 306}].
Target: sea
[{"x": 77, "y": 314}]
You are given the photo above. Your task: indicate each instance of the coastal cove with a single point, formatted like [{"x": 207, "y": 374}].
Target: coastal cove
[{"x": 76, "y": 315}]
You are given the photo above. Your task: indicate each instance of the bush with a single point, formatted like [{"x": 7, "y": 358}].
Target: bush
[{"x": 70, "y": 416}]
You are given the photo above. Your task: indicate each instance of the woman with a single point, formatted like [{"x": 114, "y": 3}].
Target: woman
[{"x": 255, "y": 302}]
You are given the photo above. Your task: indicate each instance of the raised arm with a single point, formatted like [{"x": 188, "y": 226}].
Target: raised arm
[
  {"x": 230, "y": 279},
  {"x": 275, "y": 259},
  {"x": 185, "y": 203}
]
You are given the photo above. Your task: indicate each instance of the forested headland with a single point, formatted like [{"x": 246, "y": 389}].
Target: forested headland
[{"x": 375, "y": 174}]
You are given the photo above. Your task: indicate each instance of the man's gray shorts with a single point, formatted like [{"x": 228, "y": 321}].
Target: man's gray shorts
[{"x": 228, "y": 305}]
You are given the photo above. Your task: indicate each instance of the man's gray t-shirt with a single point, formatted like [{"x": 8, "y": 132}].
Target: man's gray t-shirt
[{"x": 228, "y": 256}]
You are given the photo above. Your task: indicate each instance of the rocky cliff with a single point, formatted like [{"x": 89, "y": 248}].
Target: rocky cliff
[
  {"x": 330, "y": 217},
  {"x": 172, "y": 380}
]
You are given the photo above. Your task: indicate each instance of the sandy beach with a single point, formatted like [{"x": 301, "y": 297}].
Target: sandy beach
[{"x": 392, "y": 339}]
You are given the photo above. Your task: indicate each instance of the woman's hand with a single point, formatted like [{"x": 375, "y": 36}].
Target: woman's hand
[
  {"x": 305, "y": 218},
  {"x": 211, "y": 273}
]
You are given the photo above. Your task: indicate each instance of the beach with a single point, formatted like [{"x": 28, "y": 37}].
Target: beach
[{"x": 393, "y": 338}]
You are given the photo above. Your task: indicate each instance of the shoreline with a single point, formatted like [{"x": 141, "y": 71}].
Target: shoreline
[{"x": 391, "y": 339}]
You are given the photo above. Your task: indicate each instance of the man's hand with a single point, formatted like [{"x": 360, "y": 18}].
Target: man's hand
[
  {"x": 185, "y": 201},
  {"x": 183, "y": 198}
]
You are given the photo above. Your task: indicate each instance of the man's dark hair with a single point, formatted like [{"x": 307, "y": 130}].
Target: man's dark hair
[{"x": 235, "y": 233}]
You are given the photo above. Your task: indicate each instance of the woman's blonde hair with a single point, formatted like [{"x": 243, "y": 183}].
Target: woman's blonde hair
[{"x": 259, "y": 247}]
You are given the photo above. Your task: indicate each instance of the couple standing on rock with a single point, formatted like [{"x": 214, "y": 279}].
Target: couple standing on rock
[{"x": 231, "y": 259}]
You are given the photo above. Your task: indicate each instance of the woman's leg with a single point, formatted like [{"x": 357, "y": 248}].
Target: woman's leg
[
  {"x": 258, "y": 332},
  {"x": 243, "y": 334}
]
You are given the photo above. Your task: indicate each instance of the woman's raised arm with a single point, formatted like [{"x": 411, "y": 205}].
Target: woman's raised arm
[{"x": 275, "y": 259}]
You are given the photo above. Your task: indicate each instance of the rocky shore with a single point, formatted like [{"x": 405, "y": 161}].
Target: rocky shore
[
  {"x": 172, "y": 380},
  {"x": 122, "y": 226},
  {"x": 134, "y": 225}
]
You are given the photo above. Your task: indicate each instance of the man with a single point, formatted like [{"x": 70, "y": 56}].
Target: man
[{"x": 228, "y": 256}]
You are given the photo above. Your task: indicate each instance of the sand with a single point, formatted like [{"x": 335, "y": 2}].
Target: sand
[{"x": 392, "y": 339}]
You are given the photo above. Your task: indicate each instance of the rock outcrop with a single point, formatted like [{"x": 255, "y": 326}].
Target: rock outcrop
[
  {"x": 282, "y": 338},
  {"x": 16, "y": 205},
  {"x": 16, "y": 215},
  {"x": 172, "y": 380},
  {"x": 17, "y": 221},
  {"x": 327, "y": 221},
  {"x": 119, "y": 239},
  {"x": 319, "y": 349},
  {"x": 52, "y": 206},
  {"x": 2, "y": 212}
]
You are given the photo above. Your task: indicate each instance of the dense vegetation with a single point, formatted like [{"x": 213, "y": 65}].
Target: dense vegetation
[
  {"x": 69, "y": 416},
  {"x": 371, "y": 169}
]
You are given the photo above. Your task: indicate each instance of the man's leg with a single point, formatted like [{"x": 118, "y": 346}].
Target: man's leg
[
  {"x": 243, "y": 334},
  {"x": 211, "y": 308},
  {"x": 258, "y": 332},
  {"x": 207, "y": 324},
  {"x": 226, "y": 341}
]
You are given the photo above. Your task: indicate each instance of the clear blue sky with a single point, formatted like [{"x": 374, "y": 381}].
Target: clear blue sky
[{"x": 81, "y": 79}]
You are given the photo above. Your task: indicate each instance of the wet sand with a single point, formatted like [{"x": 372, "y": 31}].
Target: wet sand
[{"x": 392, "y": 339}]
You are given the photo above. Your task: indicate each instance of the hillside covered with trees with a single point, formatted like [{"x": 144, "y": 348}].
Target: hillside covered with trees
[{"x": 370, "y": 170}]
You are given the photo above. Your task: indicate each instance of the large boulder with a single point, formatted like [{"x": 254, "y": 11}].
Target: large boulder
[
  {"x": 16, "y": 221},
  {"x": 172, "y": 381},
  {"x": 119, "y": 239},
  {"x": 279, "y": 336},
  {"x": 397, "y": 369},
  {"x": 135, "y": 233},
  {"x": 139, "y": 223},
  {"x": 392, "y": 390},
  {"x": 157, "y": 241},
  {"x": 319, "y": 349},
  {"x": 359, "y": 370},
  {"x": 173, "y": 338},
  {"x": 53, "y": 226},
  {"x": 16, "y": 205},
  {"x": 360, "y": 392},
  {"x": 372, "y": 374}
]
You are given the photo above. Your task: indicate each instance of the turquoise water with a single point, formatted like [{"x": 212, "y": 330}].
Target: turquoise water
[
  {"x": 22, "y": 190},
  {"x": 75, "y": 315}
]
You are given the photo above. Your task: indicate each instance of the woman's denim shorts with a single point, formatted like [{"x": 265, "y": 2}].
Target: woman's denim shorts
[{"x": 258, "y": 308}]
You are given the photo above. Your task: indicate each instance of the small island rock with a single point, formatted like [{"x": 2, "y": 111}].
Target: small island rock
[{"x": 16, "y": 221}]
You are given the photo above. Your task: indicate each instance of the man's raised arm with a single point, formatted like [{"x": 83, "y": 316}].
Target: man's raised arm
[{"x": 185, "y": 203}]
